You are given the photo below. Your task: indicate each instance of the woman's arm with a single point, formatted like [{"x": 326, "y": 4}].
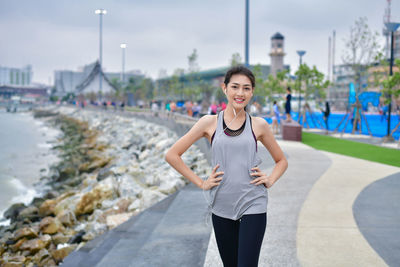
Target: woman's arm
[
  {"x": 173, "y": 156},
  {"x": 268, "y": 140}
]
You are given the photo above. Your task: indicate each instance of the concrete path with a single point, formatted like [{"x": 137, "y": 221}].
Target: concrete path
[{"x": 327, "y": 232}]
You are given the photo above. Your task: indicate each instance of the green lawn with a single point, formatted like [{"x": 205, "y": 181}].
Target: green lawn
[{"x": 354, "y": 149}]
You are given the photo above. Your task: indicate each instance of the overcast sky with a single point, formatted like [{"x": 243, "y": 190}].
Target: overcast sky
[{"x": 64, "y": 34}]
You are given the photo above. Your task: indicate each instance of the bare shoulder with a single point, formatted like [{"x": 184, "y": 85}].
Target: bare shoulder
[
  {"x": 260, "y": 127},
  {"x": 209, "y": 124}
]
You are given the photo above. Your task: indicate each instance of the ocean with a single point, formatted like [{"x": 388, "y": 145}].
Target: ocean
[{"x": 25, "y": 155}]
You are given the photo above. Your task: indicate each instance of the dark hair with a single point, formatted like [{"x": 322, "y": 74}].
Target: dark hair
[
  {"x": 274, "y": 102},
  {"x": 289, "y": 89},
  {"x": 239, "y": 70}
]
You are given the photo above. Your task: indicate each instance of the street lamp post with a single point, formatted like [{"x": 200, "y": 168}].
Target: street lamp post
[
  {"x": 123, "y": 46},
  {"x": 391, "y": 27},
  {"x": 246, "y": 49},
  {"x": 101, "y": 12},
  {"x": 301, "y": 54}
]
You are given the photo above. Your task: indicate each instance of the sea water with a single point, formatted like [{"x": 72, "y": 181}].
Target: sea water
[{"x": 25, "y": 156}]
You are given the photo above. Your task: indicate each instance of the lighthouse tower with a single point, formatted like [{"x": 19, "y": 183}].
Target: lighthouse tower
[{"x": 277, "y": 53}]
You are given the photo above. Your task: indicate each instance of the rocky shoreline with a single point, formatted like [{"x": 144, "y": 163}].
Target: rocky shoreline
[{"x": 111, "y": 168}]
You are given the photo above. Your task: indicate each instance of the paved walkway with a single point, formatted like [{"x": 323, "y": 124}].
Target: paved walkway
[{"x": 326, "y": 210}]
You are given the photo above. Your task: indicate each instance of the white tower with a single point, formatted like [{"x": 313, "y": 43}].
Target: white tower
[{"x": 277, "y": 53}]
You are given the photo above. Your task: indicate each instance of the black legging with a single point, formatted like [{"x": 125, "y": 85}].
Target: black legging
[{"x": 239, "y": 242}]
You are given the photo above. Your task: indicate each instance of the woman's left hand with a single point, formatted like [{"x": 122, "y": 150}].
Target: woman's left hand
[{"x": 262, "y": 178}]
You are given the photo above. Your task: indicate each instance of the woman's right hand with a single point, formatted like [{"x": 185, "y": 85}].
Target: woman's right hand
[{"x": 213, "y": 179}]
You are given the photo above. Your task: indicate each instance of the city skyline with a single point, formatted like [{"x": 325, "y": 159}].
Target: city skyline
[{"x": 160, "y": 35}]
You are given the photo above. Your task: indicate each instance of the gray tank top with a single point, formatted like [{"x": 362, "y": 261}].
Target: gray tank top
[{"x": 236, "y": 155}]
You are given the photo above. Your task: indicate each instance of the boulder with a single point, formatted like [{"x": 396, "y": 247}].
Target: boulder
[
  {"x": 50, "y": 225},
  {"x": 33, "y": 245},
  {"x": 60, "y": 254},
  {"x": 90, "y": 200},
  {"x": 13, "y": 211},
  {"x": 128, "y": 187},
  {"x": 60, "y": 238},
  {"x": 67, "y": 217},
  {"x": 40, "y": 256},
  {"x": 68, "y": 203},
  {"x": 47, "y": 207},
  {"x": 150, "y": 197},
  {"x": 117, "y": 219},
  {"x": 27, "y": 232}
]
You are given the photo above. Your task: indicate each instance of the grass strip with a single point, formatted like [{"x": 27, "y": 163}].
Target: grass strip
[{"x": 354, "y": 149}]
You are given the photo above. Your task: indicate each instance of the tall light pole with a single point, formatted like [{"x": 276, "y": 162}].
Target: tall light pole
[
  {"x": 391, "y": 27},
  {"x": 246, "y": 42},
  {"x": 101, "y": 12},
  {"x": 301, "y": 54},
  {"x": 123, "y": 47}
]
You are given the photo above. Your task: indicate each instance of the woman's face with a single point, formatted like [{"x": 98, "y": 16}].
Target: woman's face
[{"x": 238, "y": 91}]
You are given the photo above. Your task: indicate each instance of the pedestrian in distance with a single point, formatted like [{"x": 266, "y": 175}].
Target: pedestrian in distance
[
  {"x": 238, "y": 188},
  {"x": 275, "y": 118},
  {"x": 288, "y": 107}
]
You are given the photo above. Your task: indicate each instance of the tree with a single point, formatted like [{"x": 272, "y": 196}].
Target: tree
[
  {"x": 361, "y": 49},
  {"x": 236, "y": 60},
  {"x": 193, "y": 64},
  {"x": 313, "y": 82}
]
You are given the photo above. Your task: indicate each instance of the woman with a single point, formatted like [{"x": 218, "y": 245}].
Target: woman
[
  {"x": 288, "y": 107},
  {"x": 237, "y": 186}
]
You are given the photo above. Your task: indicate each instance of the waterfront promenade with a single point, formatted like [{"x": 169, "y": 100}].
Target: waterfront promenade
[{"x": 326, "y": 210}]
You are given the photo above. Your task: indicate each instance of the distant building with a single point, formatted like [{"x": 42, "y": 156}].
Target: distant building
[
  {"x": 67, "y": 81},
  {"x": 277, "y": 53},
  {"x": 16, "y": 76}
]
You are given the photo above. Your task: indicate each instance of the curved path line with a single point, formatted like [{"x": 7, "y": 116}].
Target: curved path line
[{"x": 327, "y": 233}]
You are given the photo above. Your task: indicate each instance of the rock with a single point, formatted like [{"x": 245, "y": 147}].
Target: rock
[
  {"x": 17, "y": 258},
  {"x": 46, "y": 240},
  {"x": 16, "y": 246},
  {"x": 30, "y": 213},
  {"x": 150, "y": 197},
  {"x": 117, "y": 219},
  {"x": 25, "y": 232},
  {"x": 13, "y": 211},
  {"x": 94, "y": 229},
  {"x": 67, "y": 217},
  {"x": 90, "y": 200},
  {"x": 47, "y": 207},
  {"x": 65, "y": 172},
  {"x": 128, "y": 187},
  {"x": 50, "y": 225},
  {"x": 60, "y": 238},
  {"x": 68, "y": 203},
  {"x": 100, "y": 163},
  {"x": 41, "y": 255},
  {"x": 77, "y": 238},
  {"x": 13, "y": 264},
  {"x": 104, "y": 173},
  {"x": 135, "y": 205},
  {"x": 33, "y": 245},
  {"x": 37, "y": 201},
  {"x": 60, "y": 254},
  {"x": 51, "y": 194},
  {"x": 170, "y": 186}
]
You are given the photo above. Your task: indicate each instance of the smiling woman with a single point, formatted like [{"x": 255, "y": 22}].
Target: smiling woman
[{"x": 239, "y": 190}]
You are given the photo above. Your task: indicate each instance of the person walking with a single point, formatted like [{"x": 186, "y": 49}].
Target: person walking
[
  {"x": 326, "y": 113},
  {"x": 275, "y": 118},
  {"x": 288, "y": 107},
  {"x": 237, "y": 186}
]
